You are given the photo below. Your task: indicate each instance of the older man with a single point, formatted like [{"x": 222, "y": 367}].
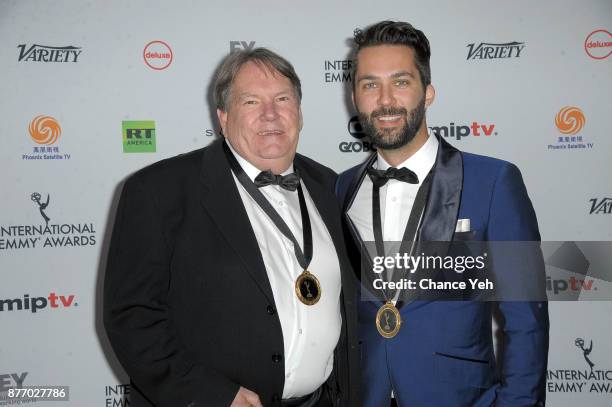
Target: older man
[{"x": 227, "y": 280}]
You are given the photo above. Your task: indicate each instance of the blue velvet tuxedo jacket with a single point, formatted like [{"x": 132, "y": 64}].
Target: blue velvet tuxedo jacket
[{"x": 443, "y": 355}]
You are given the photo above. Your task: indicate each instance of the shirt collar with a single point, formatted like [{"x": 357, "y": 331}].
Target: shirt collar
[
  {"x": 251, "y": 171},
  {"x": 420, "y": 162}
]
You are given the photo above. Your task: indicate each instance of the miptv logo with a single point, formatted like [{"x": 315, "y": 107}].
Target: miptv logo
[{"x": 157, "y": 55}]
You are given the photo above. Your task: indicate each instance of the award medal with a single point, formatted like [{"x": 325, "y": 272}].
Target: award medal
[{"x": 307, "y": 286}]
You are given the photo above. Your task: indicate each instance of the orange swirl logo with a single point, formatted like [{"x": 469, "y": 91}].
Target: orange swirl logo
[
  {"x": 45, "y": 130},
  {"x": 570, "y": 120}
]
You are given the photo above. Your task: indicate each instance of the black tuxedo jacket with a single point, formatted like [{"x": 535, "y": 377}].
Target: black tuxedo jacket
[{"x": 188, "y": 307}]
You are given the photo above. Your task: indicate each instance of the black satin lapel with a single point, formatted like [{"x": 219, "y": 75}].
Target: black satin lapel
[
  {"x": 351, "y": 192},
  {"x": 222, "y": 201},
  {"x": 349, "y": 197},
  {"x": 440, "y": 218}
]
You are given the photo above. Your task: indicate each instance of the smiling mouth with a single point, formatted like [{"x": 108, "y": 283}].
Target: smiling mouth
[
  {"x": 270, "y": 133},
  {"x": 389, "y": 118}
]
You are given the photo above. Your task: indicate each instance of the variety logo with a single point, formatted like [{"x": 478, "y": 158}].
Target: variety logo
[
  {"x": 157, "y": 55},
  {"x": 460, "y": 132},
  {"x": 35, "y": 304},
  {"x": 117, "y": 395},
  {"x": 241, "y": 46},
  {"x": 486, "y": 50},
  {"x": 43, "y": 53},
  {"x": 603, "y": 205},
  {"x": 356, "y": 130},
  {"x": 338, "y": 71},
  {"x": 45, "y": 131},
  {"x": 139, "y": 136},
  {"x": 48, "y": 234},
  {"x": 588, "y": 380},
  {"x": 570, "y": 121},
  {"x": 598, "y": 44}
]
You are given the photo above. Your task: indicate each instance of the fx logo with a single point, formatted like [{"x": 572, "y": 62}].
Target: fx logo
[
  {"x": 241, "y": 46},
  {"x": 11, "y": 380}
]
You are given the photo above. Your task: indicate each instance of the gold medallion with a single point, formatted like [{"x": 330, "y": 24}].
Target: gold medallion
[
  {"x": 307, "y": 288},
  {"x": 388, "y": 320}
]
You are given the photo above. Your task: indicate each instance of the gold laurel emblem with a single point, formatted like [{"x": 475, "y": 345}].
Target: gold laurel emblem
[
  {"x": 307, "y": 288},
  {"x": 388, "y": 320}
]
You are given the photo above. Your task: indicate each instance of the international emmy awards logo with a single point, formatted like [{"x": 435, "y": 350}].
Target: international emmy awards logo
[
  {"x": 41, "y": 206},
  {"x": 579, "y": 342}
]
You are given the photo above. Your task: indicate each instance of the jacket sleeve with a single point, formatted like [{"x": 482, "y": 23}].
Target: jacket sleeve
[
  {"x": 526, "y": 323},
  {"x": 137, "y": 314}
]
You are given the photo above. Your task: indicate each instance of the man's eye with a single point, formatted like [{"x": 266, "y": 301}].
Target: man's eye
[
  {"x": 250, "y": 102},
  {"x": 402, "y": 82},
  {"x": 283, "y": 98},
  {"x": 369, "y": 85}
]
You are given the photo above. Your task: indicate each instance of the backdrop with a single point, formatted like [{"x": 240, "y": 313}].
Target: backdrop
[{"x": 92, "y": 91}]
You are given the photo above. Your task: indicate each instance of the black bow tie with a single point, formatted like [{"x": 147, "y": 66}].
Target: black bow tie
[
  {"x": 289, "y": 182},
  {"x": 380, "y": 178}
]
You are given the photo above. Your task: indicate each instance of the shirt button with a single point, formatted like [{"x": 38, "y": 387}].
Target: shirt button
[
  {"x": 394, "y": 199},
  {"x": 277, "y": 358},
  {"x": 270, "y": 309},
  {"x": 300, "y": 331},
  {"x": 281, "y": 203},
  {"x": 275, "y": 398}
]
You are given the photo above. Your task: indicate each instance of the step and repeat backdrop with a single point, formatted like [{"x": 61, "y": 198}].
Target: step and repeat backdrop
[{"x": 92, "y": 91}]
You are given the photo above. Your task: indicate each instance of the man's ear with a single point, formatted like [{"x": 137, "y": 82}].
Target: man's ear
[
  {"x": 222, "y": 116},
  {"x": 430, "y": 95},
  {"x": 301, "y": 120}
]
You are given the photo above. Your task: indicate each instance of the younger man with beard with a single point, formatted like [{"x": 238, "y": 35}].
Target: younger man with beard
[{"x": 442, "y": 354}]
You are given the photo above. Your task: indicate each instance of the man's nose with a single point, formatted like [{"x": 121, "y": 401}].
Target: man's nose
[
  {"x": 386, "y": 96},
  {"x": 270, "y": 111}
]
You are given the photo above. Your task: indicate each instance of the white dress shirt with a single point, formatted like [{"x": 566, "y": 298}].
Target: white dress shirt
[
  {"x": 396, "y": 197},
  {"x": 310, "y": 333}
]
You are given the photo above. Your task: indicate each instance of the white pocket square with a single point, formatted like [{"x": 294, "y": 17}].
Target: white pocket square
[{"x": 463, "y": 225}]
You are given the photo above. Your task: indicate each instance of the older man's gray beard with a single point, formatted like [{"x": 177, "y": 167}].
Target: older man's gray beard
[{"x": 384, "y": 138}]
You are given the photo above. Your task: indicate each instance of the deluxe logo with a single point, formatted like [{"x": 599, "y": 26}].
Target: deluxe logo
[
  {"x": 44, "y": 53},
  {"x": 139, "y": 136},
  {"x": 598, "y": 44},
  {"x": 603, "y": 206},
  {"x": 570, "y": 121},
  {"x": 338, "y": 70},
  {"x": 47, "y": 235},
  {"x": 487, "y": 50},
  {"x": 35, "y": 304},
  {"x": 460, "y": 132},
  {"x": 45, "y": 131},
  {"x": 157, "y": 55},
  {"x": 356, "y": 130},
  {"x": 241, "y": 46},
  {"x": 570, "y": 379}
]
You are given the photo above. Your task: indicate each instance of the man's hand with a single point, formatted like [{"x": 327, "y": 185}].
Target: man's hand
[{"x": 246, "y": 398}]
